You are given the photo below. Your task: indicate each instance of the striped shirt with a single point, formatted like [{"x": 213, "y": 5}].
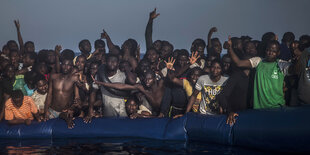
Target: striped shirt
[{"x": 23, "y": 112}]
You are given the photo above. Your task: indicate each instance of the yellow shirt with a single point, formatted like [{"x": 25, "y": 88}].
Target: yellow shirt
[{"x": 189, "y": 91}]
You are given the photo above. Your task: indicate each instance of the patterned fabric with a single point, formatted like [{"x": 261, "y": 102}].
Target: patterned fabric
[
  {"x": 24, "y": 112},
  {"x": 39, "y": 100}
]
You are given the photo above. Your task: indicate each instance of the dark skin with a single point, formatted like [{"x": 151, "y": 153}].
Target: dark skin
[
  {"x": 18, "y": 102},
  {"x": 60, "y": 92},
  {"x": 215, "y": 75},
  {"x": 127, "y": 57},
  {"x": 132, "y": 109},
  {"x": 152, "y": 89},
  {"x": 19, "y": 36},
  {"x": 216, "y": 46},
  {"x": 10, "y": 74},
  {"x": 149, "y": 29}
]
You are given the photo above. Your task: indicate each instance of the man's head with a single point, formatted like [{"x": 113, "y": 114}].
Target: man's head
[
  {"x": 29, "y": 46},
  {"x": 17, "y": 98},
  {"x": 29, "y": 59},
  {"x": 216, "y": 45},
  {"x": 198, "y": 45},
  {"x": 14, "y": 57},
  {"x": 41, "y": 68},
  {"x": 157, "y": 45},
  {"x": 288, "y": 38},
  {"x": 130, "y": 46},
  {"x": 152, "y": 55},
  {"x": 5, "y": 50},
  {"x": 67, "y": 54},
  {"x": 12, "y": 45},
  {"x": 216, "y": 68},
  {"x": 85, "y": 46},
  {"x": 80, "y": 62},
  {"x": 94, "y": 67},
  {"x": 250, "y": 49},
  {"x": 304, "y": 42},
  {"x": 30, "y": 78},
  {"x": 112, "y": 62},
  {"x": 149, "y": 78},
  {"x": 226, "y": 61},
  {"x": 100, "y": 45},
  {"x": 9, "y": 71},
  {"x": 237, "y": 44},
  {"x": 143, "y": 66},
  {"x": 193, "y": 75},
  {"x": 272, "y": 51},
  {"x": 182, "y": 58},
  {"x": 123, "y": 65},
  {"x": 42, "y": 86},
  {"x": 166, "y": 49},
  {"x": 51, "y": 57},
  {"x": 66, "y": 66},
  {"x": 132, "y": 105}
]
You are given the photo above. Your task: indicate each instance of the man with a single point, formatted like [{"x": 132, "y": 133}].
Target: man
[
  {"x": 269, "y": 77},
  {"x": 20, "y": 109},
  {"x": 60, "y": 94}
]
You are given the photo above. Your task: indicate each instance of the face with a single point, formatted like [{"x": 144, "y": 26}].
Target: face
[
  {"x": 131, "y": 107},
  {"x": 29, "y": 47},
  {"x": 217, "y": 47},
  {"x": 51, "y": 57},
  {"x": 93, "y": 69},
  {"x": 10, "y": 72},
  {"x": 152, "y": 56},
  {"x": 250, "y": 49},
  {"x": 42, "y": 86},
  {"x": 18, "y": 101},
  {"x": 14, "y": 57},
  {"x": 238, "y": 44},
  {"x": 272, "y": 52},
  {"x": 157, "y": 45},
  {"x": 194, "y": 77},
  {"x": 13, "y": 46},
  {"x": 149, "y": 80},
  {"x": 182, "y": 60},
  {"x": 6, "y": 51},
  {"x": 216, "y": 70},
  {"x": 165, "y": 52},
  {"x": 80, "y": 63},
  {"x": 43, "y": 69},
  {"x": 200, "y": 50},
  {"x": 100, "y": 47},
  {"x": 86, "y": 47},
  {"x": 112, "y": 63},
  {"x": 123, "y": 66},
  {"x": 66, "y": 66},
  {"x": 226, "y": 63},
  {"x": 144, "y": 66},
  {"x": 27, "y": 61}
]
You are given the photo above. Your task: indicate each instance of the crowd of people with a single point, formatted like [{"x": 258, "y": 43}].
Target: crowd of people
[{"x": 166, "y": 82}]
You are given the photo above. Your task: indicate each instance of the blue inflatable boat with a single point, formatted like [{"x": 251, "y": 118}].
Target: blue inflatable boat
[{"x": 284, "y": 129}]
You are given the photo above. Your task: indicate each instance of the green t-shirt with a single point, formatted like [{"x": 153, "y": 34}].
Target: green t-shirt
[{"x": 268, "y": 85}]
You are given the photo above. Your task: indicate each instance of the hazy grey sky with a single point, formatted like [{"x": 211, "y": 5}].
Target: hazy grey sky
[{"x": 66, "y": 22}]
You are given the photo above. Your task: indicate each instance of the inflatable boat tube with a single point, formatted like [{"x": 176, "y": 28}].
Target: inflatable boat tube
[
  {"x": 283, "y": 129},
  {"x": 103, "y": 77}
]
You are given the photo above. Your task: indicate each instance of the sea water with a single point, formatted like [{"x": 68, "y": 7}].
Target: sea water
[{"x": 123, "y": 146}]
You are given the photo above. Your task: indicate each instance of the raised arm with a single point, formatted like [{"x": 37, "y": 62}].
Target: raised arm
[
  {"x": 19, "y": 36},
  {"x": 105, "y": 36},
  {"x": 58, "y": 48},
  {"x": 171, "y": 73},
  {"x": 211, "y": 31},
  {"x": 149, "y": 29},
  {"x": 235, "y": 58}
]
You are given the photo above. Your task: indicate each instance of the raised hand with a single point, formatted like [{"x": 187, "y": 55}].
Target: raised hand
[
  {"x": 17, "y": 25},
  {"x": 194, "y": 57},
  {"x": 104, "y": 34},
  {"x": 170, "y": 63},
  {"x": 58, "y": 48},
  {"x": 153, "y": 14},
  {"x": 231, "y": 118},
  {"x": 229, "y": 41},
  {"x": 213, "y": 29}
]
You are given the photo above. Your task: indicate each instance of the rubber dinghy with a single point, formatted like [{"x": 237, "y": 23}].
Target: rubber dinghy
[{"x": 284, "y": 129}]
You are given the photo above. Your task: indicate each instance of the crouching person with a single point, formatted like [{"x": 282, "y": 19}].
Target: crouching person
[
  {"x": 136, "y": 110},
  {"x": 20, "y": 109}
]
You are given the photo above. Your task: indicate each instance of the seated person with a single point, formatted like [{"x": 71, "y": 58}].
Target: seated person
[
  {"x": 39, "y": 95},
  {"x": 136, "y": 110},
  {"x": 20, "y": 109}
]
